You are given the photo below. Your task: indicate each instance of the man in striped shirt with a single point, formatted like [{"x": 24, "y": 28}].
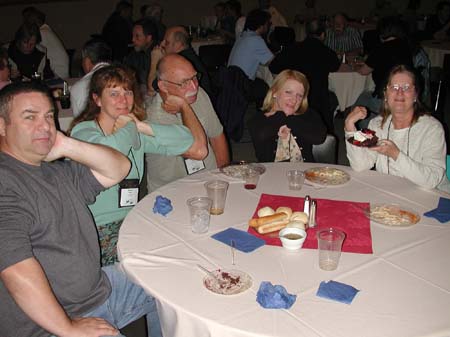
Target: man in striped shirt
[{"x": 342, "y": 38}]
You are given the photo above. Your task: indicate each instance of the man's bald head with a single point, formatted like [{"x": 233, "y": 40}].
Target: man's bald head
[
  {"x": 177, "y": 76},
  {"x": 176, "y": 39}
]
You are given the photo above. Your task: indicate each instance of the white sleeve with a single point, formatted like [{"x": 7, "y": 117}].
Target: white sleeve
[{"x": 429, "y": 170}]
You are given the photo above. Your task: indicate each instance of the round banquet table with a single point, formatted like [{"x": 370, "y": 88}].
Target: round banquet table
[
  {"x": 348, "y": 85},
  {"x": 436, "y": 51},
  {"x": 404, "y": 285}
]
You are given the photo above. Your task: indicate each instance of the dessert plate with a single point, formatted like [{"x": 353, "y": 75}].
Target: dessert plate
[
  {"x": 237, "y": 170},
  {"x": 327, "y": 176},
  {"x": 228, "y": 282},
  {"x": 393, "y": 215}
]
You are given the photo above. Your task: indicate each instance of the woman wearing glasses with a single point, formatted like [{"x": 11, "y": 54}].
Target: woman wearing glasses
[
  {"x": 114, "y": 116},
  {"x": 411, "y": 142},
  {"x": 287, "y": 128}
]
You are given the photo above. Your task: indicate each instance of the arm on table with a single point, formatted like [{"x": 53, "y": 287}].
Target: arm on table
[
  {"x": 220, "y": 147},
  {"x": 442, "y": 33},
  {"x": 108, "y": 165},
  {"x": 30, "y": 289}
]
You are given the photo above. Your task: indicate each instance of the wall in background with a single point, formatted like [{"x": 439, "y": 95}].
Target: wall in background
[{"x": 75, "y": 21}]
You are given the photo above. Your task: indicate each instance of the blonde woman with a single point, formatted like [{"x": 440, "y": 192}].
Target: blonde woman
[{"x": 286, "y": 113}]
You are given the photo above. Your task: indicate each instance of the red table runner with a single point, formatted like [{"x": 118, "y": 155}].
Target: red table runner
[{"x": 347, "y": 216}]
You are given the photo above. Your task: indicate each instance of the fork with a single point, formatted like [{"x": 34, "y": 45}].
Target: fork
[
  {"x": 210, "y": 273},
  {"x": 233, "y": 246}
]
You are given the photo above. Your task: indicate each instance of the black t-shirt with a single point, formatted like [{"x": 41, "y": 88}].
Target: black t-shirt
[
  {"x": 27, "y": 64},
  {"x": 316, "y": 61},
  {"x": 386, "y": 56}
]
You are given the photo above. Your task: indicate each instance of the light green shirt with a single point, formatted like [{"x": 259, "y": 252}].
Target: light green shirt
[{"x": 168, "y": 140}]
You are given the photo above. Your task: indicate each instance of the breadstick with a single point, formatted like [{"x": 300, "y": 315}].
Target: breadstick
[
  {"x": 267, "y": 219},
  {"x": 272, "y": 226}
]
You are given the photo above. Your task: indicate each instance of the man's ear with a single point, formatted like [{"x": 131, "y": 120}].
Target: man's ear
[
  {"x": 2, "y": 127},
  {"x": 162, "y": 86}
]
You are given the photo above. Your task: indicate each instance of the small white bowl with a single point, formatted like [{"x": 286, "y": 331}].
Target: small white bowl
[{"x": 292, "y": 238}]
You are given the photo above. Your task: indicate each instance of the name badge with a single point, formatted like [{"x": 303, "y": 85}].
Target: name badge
[
  {"x": 193, "y": 166},
  {"x": 128, "y": 192}
]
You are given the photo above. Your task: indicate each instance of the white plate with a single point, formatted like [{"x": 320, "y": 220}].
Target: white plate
[
  {"x": 232, "y": 282},
  {"x": 393, "y": 215},
  {"x": 327, "y": 176},
  {"x": 237, "y": 170}
]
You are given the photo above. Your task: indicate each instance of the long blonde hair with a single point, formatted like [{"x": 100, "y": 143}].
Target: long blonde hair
[
  {"x": 279, "y": 81},
  {"x": 106, "y": 77}
]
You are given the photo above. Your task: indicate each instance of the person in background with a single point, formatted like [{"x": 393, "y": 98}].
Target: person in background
[
  {"x": 95, "y": 54},
  {"x": 154, "y": 12},
  {"x": 140, "y": 58},
  {"x": 438, "y": 26},
  {"x": 178, "y": 81},
  {"x": 115, "y": 117},
  {"x": 228, "y": 23},
  {"x": 219, "y": 11},
  {"x": 117, "y": 31},
  {"x": 250, "y": 51},
  {"x": 51, "y": 282},
  {"x": 176, "y": 41},
  {"x": 344, "y": 39},
  {"x": 26, "y": 56},
  {"x": 314, "y": 59},
  {"x": 56, "y": 52},
  {"x": 394, "y": 50},
  {"x": 4, "y": 68},
  {"x": 411, "y": 142},
  {"x": 286, "y": 113}
]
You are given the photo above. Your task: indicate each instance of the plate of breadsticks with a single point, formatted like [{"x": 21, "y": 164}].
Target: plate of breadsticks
[{"x": 270, "y": 220}]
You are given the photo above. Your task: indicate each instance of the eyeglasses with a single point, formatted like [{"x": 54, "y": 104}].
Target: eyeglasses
[
  {"x": 405, "y": 88},
  {"x": 185, "y": 83}
]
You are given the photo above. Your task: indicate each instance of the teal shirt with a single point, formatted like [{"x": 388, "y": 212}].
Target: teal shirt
[{"x": 169, "y": 140}]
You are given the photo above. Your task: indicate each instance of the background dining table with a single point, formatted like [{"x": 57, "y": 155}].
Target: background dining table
[
  {"x": 348, "y": 85},
  {"x": 404, "y": 285},
  {"x": 436, "y": 51}
]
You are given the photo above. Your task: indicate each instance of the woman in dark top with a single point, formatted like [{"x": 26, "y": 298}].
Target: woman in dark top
[{"x": 286, "y": 113}]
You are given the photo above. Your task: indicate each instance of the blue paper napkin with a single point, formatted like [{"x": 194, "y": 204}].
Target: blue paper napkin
[
  {"x": 442, "y": 212},
  {"x": 337, "y": 291},
  {"x": 274, "y": 297},
  {"x": 243, "y": 241},
  {"x": 162, "y": 205}
]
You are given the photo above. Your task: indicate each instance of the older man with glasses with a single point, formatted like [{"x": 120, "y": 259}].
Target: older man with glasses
[{"x": 178, "y": 84}]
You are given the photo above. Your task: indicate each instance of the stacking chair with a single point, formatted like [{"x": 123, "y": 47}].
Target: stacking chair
[
  {"x": 327, "y": 151},
  {"x": 213, "y": 56}
]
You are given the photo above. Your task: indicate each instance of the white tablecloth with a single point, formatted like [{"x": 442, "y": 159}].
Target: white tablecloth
[
  {"x": 404, "y": 285},
  {"x": 197, "y": 43},
  {"x": 348, "y": 86},
  {"x": 436, "y": 51}
]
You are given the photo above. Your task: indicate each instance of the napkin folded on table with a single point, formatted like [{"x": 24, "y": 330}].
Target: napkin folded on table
[
  {"x": 337, "y": 291},
  {"x": 274, "y": 297},
  {"x": 243, "y": 241},
  {"x": 442, "y": 212}
]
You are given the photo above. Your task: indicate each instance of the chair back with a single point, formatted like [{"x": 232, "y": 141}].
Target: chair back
[
  {"x": 215, "y": 55},
  {"x": 327, "y": 151}
]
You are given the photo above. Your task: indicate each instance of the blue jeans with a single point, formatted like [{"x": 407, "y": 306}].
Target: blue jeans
[{"x": 127, "y": 303}]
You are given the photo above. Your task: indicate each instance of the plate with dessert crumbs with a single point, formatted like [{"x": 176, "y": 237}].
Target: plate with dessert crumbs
[
  {"x": 327, "y": 176},
  {"x": 237, "y": 170},
  {"x": 364, "y": 138},
  {"x": 393, "y": 215},
  {"x": 228, "y": 282}
]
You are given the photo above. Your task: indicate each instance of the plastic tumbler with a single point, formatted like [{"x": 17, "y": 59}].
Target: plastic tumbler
[
  {"x": 217, "y": 191},
  {"x": 330, "y": 243},
  {"x": 295, "y": 179},
  {"x": 199, "y": 208}
]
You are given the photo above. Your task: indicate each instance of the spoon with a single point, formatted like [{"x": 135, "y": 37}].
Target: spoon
[{"x": 211, "y": 274}]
